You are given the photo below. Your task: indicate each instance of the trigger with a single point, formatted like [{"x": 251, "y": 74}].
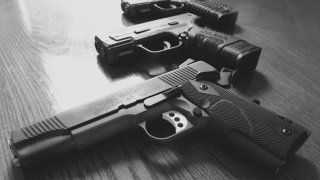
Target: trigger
[
  {"x": 177, "y": 120},
  {"x": 166, "y": 45},
  {"x": 172, "y": 6},
  {"x": 167, "y": 127}
]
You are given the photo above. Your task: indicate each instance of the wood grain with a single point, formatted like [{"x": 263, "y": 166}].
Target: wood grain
[{"x": 49, "y": 64}]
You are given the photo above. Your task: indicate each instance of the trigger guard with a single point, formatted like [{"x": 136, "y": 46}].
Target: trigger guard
[
  {"x": 163, "y": 50},
  {"x": 158, "y": 139},
  {"x": 173, "y": 6}
]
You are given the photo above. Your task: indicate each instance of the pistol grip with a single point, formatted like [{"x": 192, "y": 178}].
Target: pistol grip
[
  {"x": 224, "y": 51},
  {"x": 252, "y": 129}
]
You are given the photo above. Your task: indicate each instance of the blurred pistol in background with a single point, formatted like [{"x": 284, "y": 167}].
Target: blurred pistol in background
[
  {"x": 178, "y": 36},
  {"x": 166, "y": 107},
  {"x": 215, "y": 12}
]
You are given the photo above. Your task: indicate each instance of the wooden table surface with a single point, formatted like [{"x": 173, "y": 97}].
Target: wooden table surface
[{"x": 49, "y": 64}]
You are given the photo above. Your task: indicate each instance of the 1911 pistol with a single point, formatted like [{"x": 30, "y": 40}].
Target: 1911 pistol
[
  {"x": 186, "y": 99},
  {"x": 215, "y": 12},
  {"x": 178, "y": 36}
]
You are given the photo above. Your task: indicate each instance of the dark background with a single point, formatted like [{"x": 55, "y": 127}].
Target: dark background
[{"x": 49, "y": 64}]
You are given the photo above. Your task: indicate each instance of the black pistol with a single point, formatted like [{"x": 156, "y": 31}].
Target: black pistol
[
  {"x": 178, "y": 36},
  {"x": 187, "y": 99},
  {"x": 213, "y": 11}
]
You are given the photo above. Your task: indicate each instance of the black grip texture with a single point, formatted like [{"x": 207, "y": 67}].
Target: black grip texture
[
  {"x": 218, "y": 13},
  {"x": 208, "y": 43},
  {"x": 232, "y": 113},
  {"x": 208, "y": 10},
  {"x": 224, "y": 51}
]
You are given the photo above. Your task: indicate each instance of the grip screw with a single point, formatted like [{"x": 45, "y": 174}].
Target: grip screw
[
  {"x": 16, "y": 162},
  {"x": 286, "y": 131},
  {"x": 197, "y": 112},
  {"x": 203, "y": 87}
]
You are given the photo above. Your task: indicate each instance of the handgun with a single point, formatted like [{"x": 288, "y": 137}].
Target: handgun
[
  {"x": 213, "y": 11},
  {"x": 178, "y": 36},
  {"x": 167, "y": 107}
]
